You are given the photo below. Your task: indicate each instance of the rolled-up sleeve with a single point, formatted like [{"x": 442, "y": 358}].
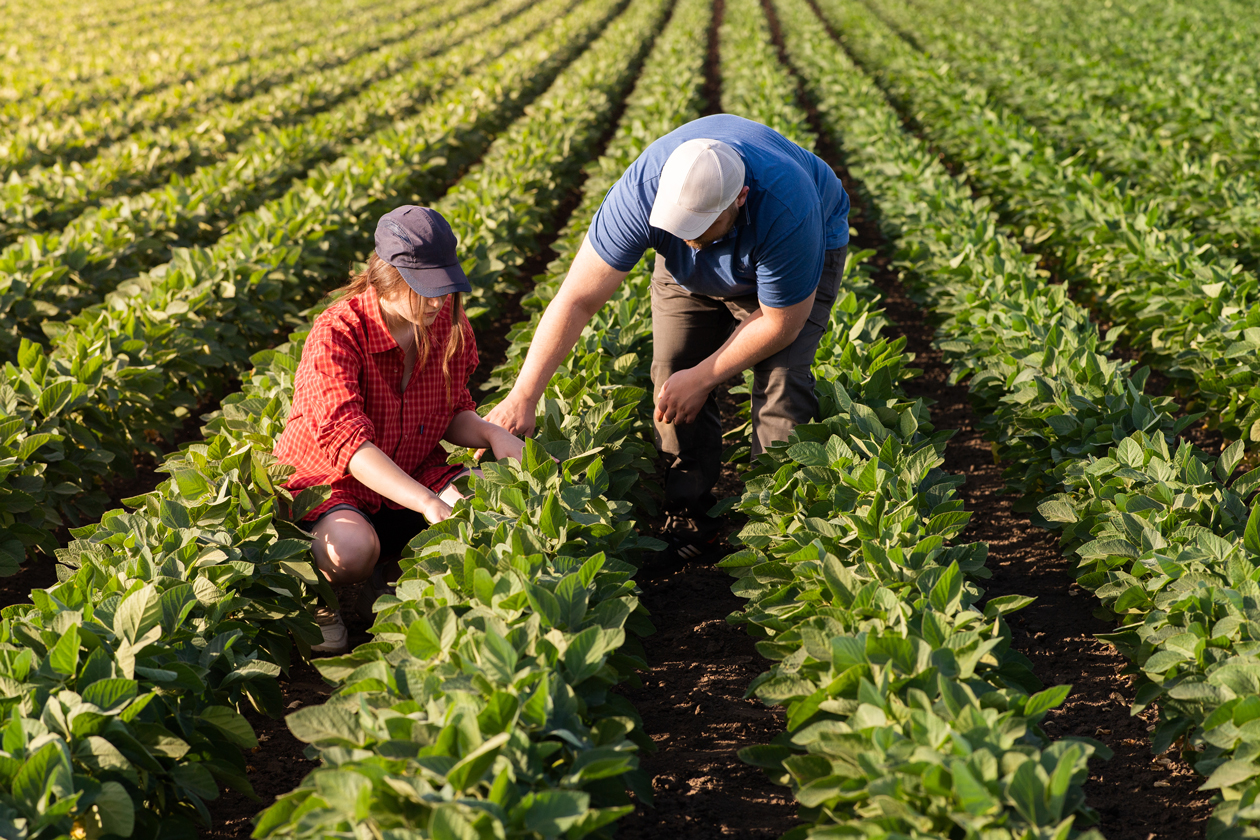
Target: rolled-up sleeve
[{"x": 334, "y": 398}]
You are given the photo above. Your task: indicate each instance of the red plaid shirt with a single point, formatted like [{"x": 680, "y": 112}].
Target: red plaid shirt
[{"x": 348, "y": 391}]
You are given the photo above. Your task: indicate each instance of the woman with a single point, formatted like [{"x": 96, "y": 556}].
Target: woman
[{"x": 383, "y": 379}]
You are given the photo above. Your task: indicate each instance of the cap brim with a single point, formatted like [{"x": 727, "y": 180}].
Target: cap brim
[
  {"x": 685, "y": 224},
  {"x": 435, "y": 282}
]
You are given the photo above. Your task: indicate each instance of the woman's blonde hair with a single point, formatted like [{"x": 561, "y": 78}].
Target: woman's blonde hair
[{"x": 390, "y": 285}]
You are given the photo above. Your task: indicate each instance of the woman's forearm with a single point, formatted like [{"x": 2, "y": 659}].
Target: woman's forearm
[
  {"x": 468, "y": 428},
  {"x": 378, "y": 472}
]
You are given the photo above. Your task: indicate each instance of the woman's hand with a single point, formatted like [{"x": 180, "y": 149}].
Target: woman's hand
[
  {"x": 435, "y": 510},
  {"x": 506, "y": 445}
]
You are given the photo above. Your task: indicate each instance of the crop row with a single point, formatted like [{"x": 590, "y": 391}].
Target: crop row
[
  {"x": 163, "y": 341},
  {"x": 1194, "y": 186},
  {"x": 1180, "y": 70},
  {"x": 47, "y": 198},
  {"x": 907, "y": 712},
  {"x": 73, "y": 78},
  {"x": 311, "y": 35},
  {"x": 213, "y": 574},
  {"x": 52, "y": 276},
  {"x": 1161, "y": 539},
  {"x": 542, "y": 605},
  {"x": 1190, "y": 309}
]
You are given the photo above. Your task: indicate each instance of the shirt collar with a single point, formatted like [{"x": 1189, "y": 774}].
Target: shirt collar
[
  {"x": 379, "y": 339},
  {"x": 741, "y": 218}
]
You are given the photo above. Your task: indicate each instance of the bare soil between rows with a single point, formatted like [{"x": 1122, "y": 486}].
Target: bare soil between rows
[{"x": 1138, "y": 795}]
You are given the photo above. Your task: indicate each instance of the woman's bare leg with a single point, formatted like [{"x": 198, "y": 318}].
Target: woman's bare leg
[{"x": 345, "y": 546}]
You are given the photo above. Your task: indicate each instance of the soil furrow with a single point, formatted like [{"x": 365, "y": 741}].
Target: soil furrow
[
  {"x": 280, "y": 763},
  {"x": 1138, "y": 796}
]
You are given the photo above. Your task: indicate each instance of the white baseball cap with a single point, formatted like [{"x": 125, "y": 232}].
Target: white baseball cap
[{"x": 699, "y": 180}]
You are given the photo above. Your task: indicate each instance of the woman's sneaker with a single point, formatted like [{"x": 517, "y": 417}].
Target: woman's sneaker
[{"x": 336, "y": 637}]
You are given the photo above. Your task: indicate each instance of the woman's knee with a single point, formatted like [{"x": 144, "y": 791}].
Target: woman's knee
[{"x": 346, "y": 546}]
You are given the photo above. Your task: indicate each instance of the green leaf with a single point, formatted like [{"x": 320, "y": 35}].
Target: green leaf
[
  {"x": 552, "y": 812},
  {"x": 1231, "y": 773},
  {"x": 473, "y": 766},
  {"x": 192, "y": 485},
  {"x": 972, "y": 794},
  {"x": 947, "y": 593},
  {"x": 138, "y": 613},
  {"x": 33, "y": 442},
  {"x": 585, "y": 653},
  {"x": 325, "y": 725},
  {"x": 117, "y": 811},
  {"x": 232, "y": 724},
  {"x": 552, "y": 519},
  {"x": 422, "y": 639},
  {"x": 948, "y": 523},
  {"x": 1006, "y": 604},
  {"x": 40, "y": 772},
  {"x": 55, "y": 397},
  {"x": 1044, "y": 701},
  {"x": 1229, "y": 460},
  {"x": 544, "y": 603},
  {"x": 64, "y": 657},
  {"x": 447, "y": 823},
  {"x": 809, "y": 453},
  {"x": 110, "y": 693},
  {"x": 1251, "y": 536},
  {"x": 1025, "y": 790}
]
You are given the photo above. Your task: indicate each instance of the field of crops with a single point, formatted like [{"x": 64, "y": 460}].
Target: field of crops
[{"x": 1007, "y": 587}]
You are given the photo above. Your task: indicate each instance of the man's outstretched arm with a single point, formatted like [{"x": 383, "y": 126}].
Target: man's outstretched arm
[{"x": 588, "y": 286}]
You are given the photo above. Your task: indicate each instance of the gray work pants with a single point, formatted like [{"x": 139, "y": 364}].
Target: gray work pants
[{"x": 686, "y": 329}]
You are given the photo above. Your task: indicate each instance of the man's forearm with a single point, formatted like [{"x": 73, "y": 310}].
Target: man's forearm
[
  {"x": 589, "y": 284},
  {"x": 558, "y": 330},
  {"x": 755, "y": 338}
]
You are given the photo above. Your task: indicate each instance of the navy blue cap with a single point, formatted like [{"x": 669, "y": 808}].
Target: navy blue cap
[{"x": 421, "y": 245}]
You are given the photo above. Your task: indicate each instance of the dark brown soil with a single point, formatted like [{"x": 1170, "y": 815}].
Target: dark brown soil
[
  {"x": 713, "y": 64},
  {"x": 277, "y": 765},
  {"x": 693, "y": 705},
  {"x": 1138, "y": 796}
]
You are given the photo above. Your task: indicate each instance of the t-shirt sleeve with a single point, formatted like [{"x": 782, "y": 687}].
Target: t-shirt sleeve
[
  {"x": 620, "y": 232},
  {"x": 790, "y": 261},
  {"x": 332, "y": 396}
]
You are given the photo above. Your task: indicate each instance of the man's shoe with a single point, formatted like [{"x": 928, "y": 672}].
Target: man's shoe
[
  {"x": 336, "y": 637},
  {"x": 687, "y": 539}
]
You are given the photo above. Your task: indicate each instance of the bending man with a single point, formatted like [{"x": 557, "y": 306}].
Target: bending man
[{"x": 750, "y": 232}]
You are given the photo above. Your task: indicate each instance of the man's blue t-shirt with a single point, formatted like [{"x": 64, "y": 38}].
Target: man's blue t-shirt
[{"x": 796, "y": 210}]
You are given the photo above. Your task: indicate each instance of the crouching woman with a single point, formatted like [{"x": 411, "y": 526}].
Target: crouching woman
[{"x": 383, "y": 379}]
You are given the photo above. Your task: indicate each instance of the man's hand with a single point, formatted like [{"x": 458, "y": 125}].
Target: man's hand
[
  {"x": 682, "y": 396},
  {"x": 515, "y": 415}
]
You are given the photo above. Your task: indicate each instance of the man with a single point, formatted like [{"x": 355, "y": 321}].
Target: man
[{"x": 750, "y": 232}]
